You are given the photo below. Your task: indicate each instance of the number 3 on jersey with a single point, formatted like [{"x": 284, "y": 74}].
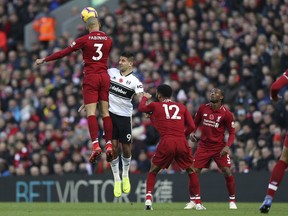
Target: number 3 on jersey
[
  {"x": 98, "y": 51},
  {"x": 174, "y": 108}
]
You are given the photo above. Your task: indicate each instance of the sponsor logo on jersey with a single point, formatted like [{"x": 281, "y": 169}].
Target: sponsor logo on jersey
[
  {"x": 117, "y": 89},
  {"x": 120, "y": 90}
]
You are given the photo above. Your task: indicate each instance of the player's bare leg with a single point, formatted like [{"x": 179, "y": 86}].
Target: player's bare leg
[
  {"x": 93, "y": 130},
  {"x": 275, "y": 180}
]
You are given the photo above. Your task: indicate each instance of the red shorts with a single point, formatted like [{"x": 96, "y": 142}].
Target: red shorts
[
  {"x": 203, "y": 157},
  {"x": 95, "y": 87},
  {"x": 170, "y": 149}
]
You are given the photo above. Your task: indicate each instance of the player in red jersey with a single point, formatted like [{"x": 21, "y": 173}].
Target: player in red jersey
[
  {"x": 281, "y": 165},
  {"x": 213, "y": 119},
  {"x": 95, "y": 46},
  {"x": 173, "y": 122}
]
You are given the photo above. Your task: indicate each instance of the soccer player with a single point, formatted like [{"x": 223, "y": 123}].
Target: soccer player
[
  {"x": 95, "y": 46},
  {"x": 281, "y": 165},
  {"x": 214, "y": 119},
  {"x": 174, "y": 123},
  {"x": 124, "y": 85}
]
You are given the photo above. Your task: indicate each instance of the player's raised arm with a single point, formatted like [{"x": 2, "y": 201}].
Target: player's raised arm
[
  {"x": 142, "y": 106},
  {"x": 57, "y": 55},
  {"x": 277, "y": 85}
]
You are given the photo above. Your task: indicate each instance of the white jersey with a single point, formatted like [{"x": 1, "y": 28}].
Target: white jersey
[{"x": 122, "y": 90}]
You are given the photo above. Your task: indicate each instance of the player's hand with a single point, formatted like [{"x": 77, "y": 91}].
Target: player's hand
[
  {"x": 147, "y": 115},
  {"x": 82, "y": 107},
  {"x": 39, "y": 61},
  {"x": 147, "y": 95},
  {"x": 193, "y": 137},
  {"x": 277, "y": 98},
  {"x": 224, "y": 151}
]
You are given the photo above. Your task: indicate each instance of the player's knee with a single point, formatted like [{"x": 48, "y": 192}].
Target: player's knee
[
  {"x": 104, "y": 114},
  {"x": 284, "y": 155},
  {"x": 226, "y": 171},
  {"x": 190, "y": 170},
  {"x": 154, "y": 169},
  {"x": 197, "y": 170}
]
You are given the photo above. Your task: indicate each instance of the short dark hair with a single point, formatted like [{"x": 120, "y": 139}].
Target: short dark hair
[
  {"x": 164, "y": 90},
  {"x": 128, "y": 55},
  {"x": 222, "y": 92}
]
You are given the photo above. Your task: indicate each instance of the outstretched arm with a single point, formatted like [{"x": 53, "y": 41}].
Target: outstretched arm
[
  {"x": 57, "y": 55},
  {"x": 76, "y": 45},
  {"x": 277, "y": 85}
]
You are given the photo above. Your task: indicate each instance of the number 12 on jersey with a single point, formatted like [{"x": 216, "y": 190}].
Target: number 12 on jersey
[{"x": 175, "y": 110}]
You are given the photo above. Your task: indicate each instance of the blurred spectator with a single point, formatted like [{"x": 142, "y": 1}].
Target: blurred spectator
[
  {"x": 58, "y": 169},
  {"x": 243, "y": 167},
  {"x": 45, "y": 25},
  {"x": 241, "y": 52},
  {"x": 4, "y": 170},
  {"x": 143, "y": 162},
  {"x": 134, "y": 167},
  {"x": 44, "y": 170},
  {"x": 34, "y": 171}
]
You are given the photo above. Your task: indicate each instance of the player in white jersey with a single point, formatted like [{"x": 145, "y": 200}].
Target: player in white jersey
[{"x": 123, "y": 86}]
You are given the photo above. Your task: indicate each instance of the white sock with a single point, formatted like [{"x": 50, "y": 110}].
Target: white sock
[
  {"x": 115, "y": 169},
  {"x": 125, "y": 166}
]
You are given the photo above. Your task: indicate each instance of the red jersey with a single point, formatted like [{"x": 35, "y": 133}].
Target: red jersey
[
  {"x": 278, "y": 84},
  {"x": 213, "y": 124},
  {"x": 169, "y": 118},
  {"x": 95, "y": 48}
]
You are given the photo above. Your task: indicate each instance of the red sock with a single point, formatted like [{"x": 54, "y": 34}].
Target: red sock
[
  {"x": 230, "y": 184},
  {"x": 107, "y": 124},
  {"x": 194, "y": 188},
  {"x": 93, "y": 127},
  {"x": 150, "y": 183},
  {"x": 276, "y": 177}
]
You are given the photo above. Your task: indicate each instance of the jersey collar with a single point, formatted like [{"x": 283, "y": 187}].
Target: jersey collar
[{"x": 126, "y": 74}]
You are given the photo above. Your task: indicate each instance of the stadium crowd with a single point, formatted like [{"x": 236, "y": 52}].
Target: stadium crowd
[{"x": 193, "y": 45}]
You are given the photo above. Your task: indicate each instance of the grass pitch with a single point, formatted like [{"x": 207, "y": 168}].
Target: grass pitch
[{"x": 133, "y": 209}]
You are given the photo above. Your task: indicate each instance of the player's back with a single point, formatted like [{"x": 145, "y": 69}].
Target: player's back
[
  {"x": 96, "y": 50},
  {"x": 168, "y": 118}
]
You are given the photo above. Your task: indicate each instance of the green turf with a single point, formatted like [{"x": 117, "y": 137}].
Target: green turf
[{"x": 133, "y": 209}]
